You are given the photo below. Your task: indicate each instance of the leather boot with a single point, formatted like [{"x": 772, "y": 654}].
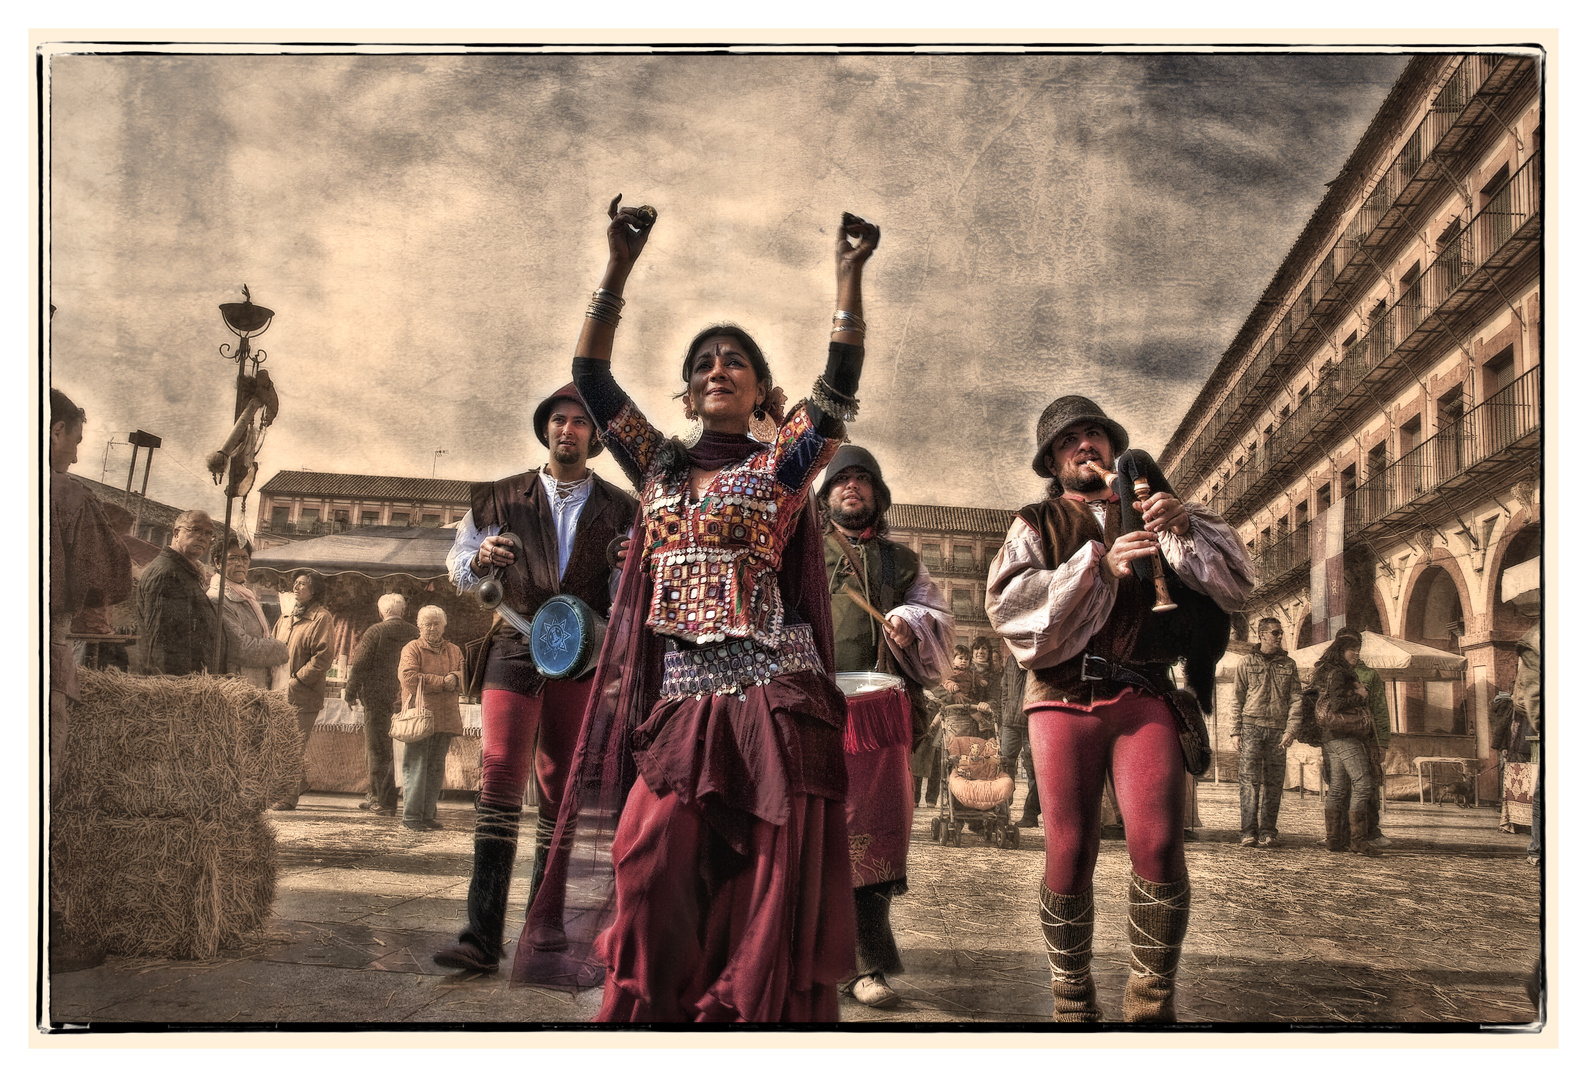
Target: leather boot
[
  {"x": 546, "y": 931},
  {"x": 1159, "y": 915},
  {"x": 479, "y": 947},
  {"x": 1066, "y": 924},
  {"x": 1337, "y": 836},
  {"x": 1360, "y": 834}
]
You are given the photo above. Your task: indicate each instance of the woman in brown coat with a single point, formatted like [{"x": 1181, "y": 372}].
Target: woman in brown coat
[{"x": 437, "y": 666}]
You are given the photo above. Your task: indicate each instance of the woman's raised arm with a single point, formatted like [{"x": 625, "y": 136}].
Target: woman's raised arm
[{"x": 626, "y": 233}]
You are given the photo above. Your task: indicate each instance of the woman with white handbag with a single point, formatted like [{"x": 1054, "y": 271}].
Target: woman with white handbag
[{"x": 431, "y": 674}]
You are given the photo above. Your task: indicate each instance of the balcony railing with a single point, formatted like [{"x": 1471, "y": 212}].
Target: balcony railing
[
  {"x": 1487, "y": 429},
  {"x": 1428, "y": 140},
  {"x": 1512, "y": 206},
  {"x": 1283, "y": 553}
]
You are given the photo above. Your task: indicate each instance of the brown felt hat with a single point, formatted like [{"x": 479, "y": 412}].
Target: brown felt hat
[
  {"x": 1063, "y": 413},
  {"x": 543, "y": 416}
]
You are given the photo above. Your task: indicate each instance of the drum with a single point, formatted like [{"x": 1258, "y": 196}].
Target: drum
[
  {"x": 565, "y": 638},
  {"x": 879, "y": 711}
]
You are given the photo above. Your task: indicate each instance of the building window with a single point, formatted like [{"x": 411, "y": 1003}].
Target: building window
[
  {"x": 430, "y": 519},
  {"x": 280, "y": 517},
  {"x": 342, "y": 519},
  {"x": 308, "y": 521},
  {"x": 399, "y": 519},
  {"x": 368, "y": 518},
  {"x": 963, "y": 602},
  {"x": 963, "y": 558},
  {"x": 931, "y": 556}
]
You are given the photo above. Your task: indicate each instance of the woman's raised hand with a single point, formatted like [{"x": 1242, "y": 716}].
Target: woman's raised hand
[
  {"x": 627, "y": 231},
  {"x": 857, "y": 240}
]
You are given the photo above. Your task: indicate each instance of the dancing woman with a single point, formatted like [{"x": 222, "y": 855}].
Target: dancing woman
[{"x": 733, "y": 898}]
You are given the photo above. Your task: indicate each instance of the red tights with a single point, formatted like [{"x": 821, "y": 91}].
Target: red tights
[
  {"x": 1073, "y": 746},
  {"x": 510, "y": 726}
]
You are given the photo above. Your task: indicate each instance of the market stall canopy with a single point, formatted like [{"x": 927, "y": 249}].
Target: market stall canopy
[
  {"x": 1394, "y": 659},
  {"x": 370, "y": 551}
]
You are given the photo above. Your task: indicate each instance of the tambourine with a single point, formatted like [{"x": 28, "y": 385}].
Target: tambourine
[{"x": 565, "y": 638}]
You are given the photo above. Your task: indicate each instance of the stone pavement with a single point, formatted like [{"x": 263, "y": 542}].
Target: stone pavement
[{"x": 1443, "y": 928}]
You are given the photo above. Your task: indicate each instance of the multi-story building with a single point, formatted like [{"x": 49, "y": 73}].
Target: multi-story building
[
  {"x": 956, "y": 544},
  {"x": 147, "y": 519},
  {"x": 1381, "y": 408},
  {"x": 296, "y": 503}
]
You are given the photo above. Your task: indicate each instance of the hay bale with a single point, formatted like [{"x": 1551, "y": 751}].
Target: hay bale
[
  {"x": 157, "y": 844},
  {"x": 194, "y": 747},
  {"x": 165, "y": 887}
]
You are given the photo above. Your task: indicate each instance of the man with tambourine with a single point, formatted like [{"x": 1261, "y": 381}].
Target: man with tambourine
[
  {"x": 543, "y": 537},
  {"x": 892, "y": 634}
]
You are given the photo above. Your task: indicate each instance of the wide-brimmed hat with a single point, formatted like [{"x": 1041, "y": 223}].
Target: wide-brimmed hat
[
  {"x": 849, "y": 456},
  {"x": 543, "y": 416},
  {"x": 1064, "y": 413}
]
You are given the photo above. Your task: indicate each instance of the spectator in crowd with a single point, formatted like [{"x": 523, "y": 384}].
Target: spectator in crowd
[
  {"x": 1014, "y": 737},
  {"x": 431, "y": 674},
  {"x": 372, "y": 681},
  {"x": 1528, "y": 696},
  {"x": 251, "y": 652},
  {"x": 1348, "y": 740},
  {"x": 307, "y": 634},
  {"x": 176, "y": 619},
  {"x": 1378, "y": 704},
  {"x": 1267, "y": 702},
  {"x": 89, "y": 567}
]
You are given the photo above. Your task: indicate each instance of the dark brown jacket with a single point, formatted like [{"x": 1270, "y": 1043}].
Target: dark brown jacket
[{"x": 519, "y": 504}]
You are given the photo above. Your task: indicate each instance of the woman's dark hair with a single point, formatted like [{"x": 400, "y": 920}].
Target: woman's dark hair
[
  {"x": 316, "y": 584},
  {"x": 747, "y": 342},
  {"x": 224, "y": 545},
  {"x": 981, "y": 643},
  {"x": 1347, "y": 640}
]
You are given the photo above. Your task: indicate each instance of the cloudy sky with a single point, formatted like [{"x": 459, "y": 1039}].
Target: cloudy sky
[{"x": 428, "y": 229}]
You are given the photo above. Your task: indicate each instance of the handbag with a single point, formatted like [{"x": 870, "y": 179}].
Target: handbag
[
  {"x": 416, "y": 722},
  {"x": 1343, "y": 725}
]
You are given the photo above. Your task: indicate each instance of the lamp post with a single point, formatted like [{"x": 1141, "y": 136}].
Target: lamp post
[{"x": 245, "y": 320}]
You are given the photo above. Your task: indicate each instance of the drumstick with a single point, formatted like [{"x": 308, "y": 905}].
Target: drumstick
[{"x": 859, "y": 600}]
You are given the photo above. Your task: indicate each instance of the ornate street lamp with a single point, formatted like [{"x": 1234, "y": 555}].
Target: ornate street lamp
[{"x": 255, "y": 409}]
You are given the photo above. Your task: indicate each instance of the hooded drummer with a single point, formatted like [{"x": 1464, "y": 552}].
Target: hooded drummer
[
  {"x": 888, "y": 617},
  {"x": 553, "y": 530}
]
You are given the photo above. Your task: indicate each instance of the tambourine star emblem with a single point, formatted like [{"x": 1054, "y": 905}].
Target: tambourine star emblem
[{"x": 557, "y": 637}]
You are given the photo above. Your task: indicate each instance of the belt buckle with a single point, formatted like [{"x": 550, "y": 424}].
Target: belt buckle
[{"x": 1101, "y": 667}]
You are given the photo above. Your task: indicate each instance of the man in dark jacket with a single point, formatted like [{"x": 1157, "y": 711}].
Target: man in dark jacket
[
  {"x": 567, "y": 522},
  {"x": 1267, "y": 709},
  {"x": 176, "y": 620},
  {"x": 372, "y": 681}
]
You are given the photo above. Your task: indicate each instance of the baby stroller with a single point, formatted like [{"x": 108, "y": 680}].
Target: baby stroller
[{"x": 979, "y": 793}]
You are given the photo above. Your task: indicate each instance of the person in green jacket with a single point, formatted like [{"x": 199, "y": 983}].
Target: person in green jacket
[{"x": 1378, "y": 704}]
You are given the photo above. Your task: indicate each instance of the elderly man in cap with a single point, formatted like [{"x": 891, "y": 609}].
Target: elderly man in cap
[
  {"x": 1063, "y": 593},
  {"x": 888, "y": 617},
  {"x": 568, "y": 522}
]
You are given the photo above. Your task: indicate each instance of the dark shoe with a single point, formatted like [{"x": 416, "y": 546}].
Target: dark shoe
[
  {"x": 431, "y": 824},
  {"x": 368, "y": 805},
  {"x": 1360, "y": 844},
  {"x": 388, "y": 812},
  {"x": 1267, "y": 841},
  {"x": 1247, "y": 841},
  {"x": 466, "y": 955},
  {"x": 1027, "y": 821},
  {"x": 414, "y": 826}
]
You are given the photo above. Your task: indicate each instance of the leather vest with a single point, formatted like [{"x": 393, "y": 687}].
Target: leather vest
[{"x": 519, "y": 504}]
